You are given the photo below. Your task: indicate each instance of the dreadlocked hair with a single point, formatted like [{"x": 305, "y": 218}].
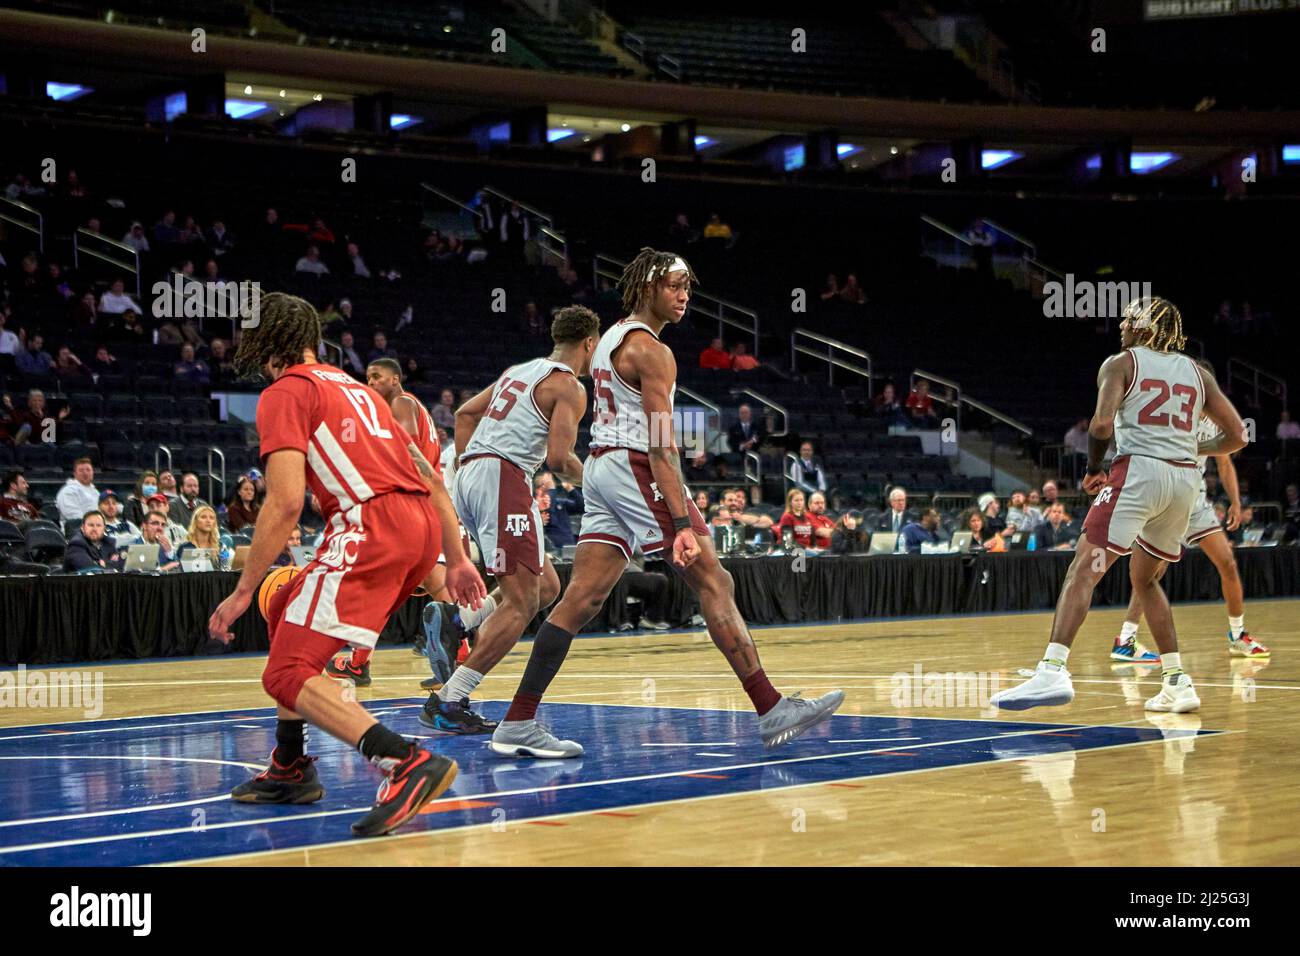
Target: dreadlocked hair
[
  {"x": 1163, "y": 321},
  {"x": 286, "y": 326},
  {"x": 648, "y": 267}
]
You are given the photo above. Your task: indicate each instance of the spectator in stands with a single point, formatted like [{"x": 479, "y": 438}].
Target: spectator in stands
[
  {"x": 731, "y": 512},
  {"x": 34, "y": 361},
  {"x": 515, "y": 233},
  {"x": 168, "y": 333},
  {"x": 350, "y": 361},
  {"x": 357, "y": 264},
  {"x": 831, "y": 291},
  {"x": 981, "y": 247},
  {"x": 33, "y": 423},
  {"x": 741, "y": 360},
  {"x": 1035, "y": 500},
  {"x": 202, "y": 534},
  {"x": 79, "y": 494},
  {"x": 285, "y": 557},
  {"x": 1056, "y": 533},
  {"x": 852, "y": 292},
  {"x": 135, "y": 238},
  {"x": 243, "y": 508},
  {"x": 23, "y": 188},
  {"x": 925, "y": 531},
  {"x": 10, "y": 343},
  {"x": 747, "y": 434},
  {"x": 381, "y": 349},
  {"x": 822, "y": 526},
  {"x": 566, "y": 501},
  {"x": 221, "y": 365},
  {"x": 808, "y": 471},
  {"x": 1022, "y": 516},
  {"x": 15, "y": 505},
  {"x": 175, "y": 531},
  {"x": 1238, "y": 535},
  {"x": 115, "y": 300},
  {"x": 211, "y": 271},
  {"x": 154, "y": 531},
  {"x": 311, "y": 262},
  {"x": 702, "y": 502},
  {"x": 887, "y": 407},
  {"x": 920, "y": 407},
  {"x": 221, "y": 240},
  {"x": 715, "y": 356},
  {"x": 137, "y": 507},
  {"x": 70, "y": 370},
  {"x": 1050, "y": 495},
  {"x": 680, "y": 234},
  {"x": 191, "y": 232},
  {"x": 191, "y": 369},
  {"x": 130, "y": 329},
  {"x": 1287, "y": 429},
  {"x": 796, "y": 520},
  {"x": 444, "y": 413},
  {"x": 983, "y": 538},
  {"x": 1291, "y": 514},
  {"x": 1076, "y": 439},
  {"x": 104, "y": 362},
  {"x": 116, "y": 525},
  {"x": 717, "y": 229},
  {"x": 898, "y": 516},
  {"x": 532, "y": 321},
  {"x": 167, "y": 486},
  {"x": 92, "y": 547},
  {"x": 165, "y": 232},
  {"x": 849, "y": 536},
  {"x": 183, "y": 506}
]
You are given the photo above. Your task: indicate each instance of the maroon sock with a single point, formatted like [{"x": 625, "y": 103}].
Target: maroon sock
[
  {"x": 523, "y": 707},
  {"x": 761, "y": 692}
]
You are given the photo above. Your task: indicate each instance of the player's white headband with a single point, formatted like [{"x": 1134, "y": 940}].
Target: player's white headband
[{"x": 678, "y": 265}]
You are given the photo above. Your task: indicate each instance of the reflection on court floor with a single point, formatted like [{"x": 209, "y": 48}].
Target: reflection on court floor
[{"x": 154, "y": 789}]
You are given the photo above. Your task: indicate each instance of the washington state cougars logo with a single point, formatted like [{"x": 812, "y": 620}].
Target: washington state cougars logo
[
  {"x": 1103, "y": 497},
  {"x": 654, "y": 486},
  {"x": 340, "y": 551},
  {"x": 517, "y": 525}
]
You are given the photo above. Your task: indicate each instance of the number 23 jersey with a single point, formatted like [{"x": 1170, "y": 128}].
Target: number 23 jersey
[{"x": 1161, "y": 410}]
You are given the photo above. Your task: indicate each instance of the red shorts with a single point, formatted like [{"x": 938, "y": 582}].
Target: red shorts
[{"x": 367, "y": 565}]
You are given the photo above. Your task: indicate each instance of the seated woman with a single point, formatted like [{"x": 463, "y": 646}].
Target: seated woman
[
  {"x": 202, "y": 534},
  {"x": 983, "y": 538},
  {"x": 243, "y": 507},
  {"x": 807, "y": 529},
  {"x": 286, "y": 556},
  {"x": 849, "y": 537}
]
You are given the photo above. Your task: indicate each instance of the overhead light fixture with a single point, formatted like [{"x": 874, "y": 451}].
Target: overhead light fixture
[
  {"x": 586, "y": 139},
  {"x": 893, "y": 151},
  {"x": 1291, "y": 153},
  {"x": 844, "y": 150},
  {"x": 403, "y": 120},
  {"x": 317, "y": 97},
  {"x": 66, "y": 91},
  {"x": 282, "y": 93},
  {"x": 248, "y": 90},
  {"x": 704, "y": 142},
  {"x": 995, "y": 158},
  {"x": 1143, "y": 163},
  {"x": 625, "y": 127}
]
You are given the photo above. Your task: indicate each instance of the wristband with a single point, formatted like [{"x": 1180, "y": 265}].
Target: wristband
[{"x": 681, "y": 524}]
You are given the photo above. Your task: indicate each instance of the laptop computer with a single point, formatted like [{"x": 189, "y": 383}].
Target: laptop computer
[
  {"x": 200, "y": 559},
  {"x": 302, "y": 554},
  {"x": 883, "y": 542},
  {"x": 568, "y": 552},
  {"x": 1019, "y": 541},
  {"x": 961, "y": 542},
  {"x": 141, "y": 557}
]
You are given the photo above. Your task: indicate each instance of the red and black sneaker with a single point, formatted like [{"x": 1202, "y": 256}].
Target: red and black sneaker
[
  {"x": 342, "y": 668},
  {"x": 296, "y": 783},
  {"x": 421, "y": 777}
]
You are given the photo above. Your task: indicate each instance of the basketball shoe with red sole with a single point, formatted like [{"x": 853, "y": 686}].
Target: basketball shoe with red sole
[{"x": 421, "y": 777}]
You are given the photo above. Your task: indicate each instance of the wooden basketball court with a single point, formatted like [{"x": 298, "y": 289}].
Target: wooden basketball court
[{"x": 908, "y": 774}]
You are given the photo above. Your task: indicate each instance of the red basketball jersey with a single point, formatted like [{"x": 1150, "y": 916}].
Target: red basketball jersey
[
  {"x": 426, "y": 437},
  {"x": 355, "y": 449}
]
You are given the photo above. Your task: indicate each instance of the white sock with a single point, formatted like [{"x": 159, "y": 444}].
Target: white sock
[
  {"x": 1057, "y": 654},
  {"x": 1128, "y": 632},
  {"x": 1236, "y": 626},
  {"x": 471, "y": 618},
  {"x": 1169, "y": 662},
  {"x": 460, "y": 685}
]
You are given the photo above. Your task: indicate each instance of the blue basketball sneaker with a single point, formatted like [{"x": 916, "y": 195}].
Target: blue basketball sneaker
[
  {"x": 437, "y": 625},
  {"x": 1131, "y": 652},
  {"x": 453, "y": 717}
]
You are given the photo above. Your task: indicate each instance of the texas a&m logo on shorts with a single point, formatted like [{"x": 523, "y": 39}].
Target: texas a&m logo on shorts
[
  {"x": 517, "y": 525},
  {"x": 1103, "y": 496}
]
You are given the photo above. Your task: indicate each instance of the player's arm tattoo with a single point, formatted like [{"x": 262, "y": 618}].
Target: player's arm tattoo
[{"x": 422, "y": 464}]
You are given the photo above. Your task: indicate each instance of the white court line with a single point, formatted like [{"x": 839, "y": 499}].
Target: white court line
[
  {"x": 113, "y": 813},
  {"x": 872, "y": 740},
  {"x": 497, "y": 794},
  {"x": 414, "y": 834},
  {"x": 224, "y": 763},
  {"x": 701, "y": 743},
  {"x": 705, "y": 754}
]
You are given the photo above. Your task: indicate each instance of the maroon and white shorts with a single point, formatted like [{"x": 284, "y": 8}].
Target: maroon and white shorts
[
  {"x": 494, "y": 500},
  {"x": 1147, "y": 500},
  {"x": 623, "y": 504},
  {"x": 1203, "y": 521}
]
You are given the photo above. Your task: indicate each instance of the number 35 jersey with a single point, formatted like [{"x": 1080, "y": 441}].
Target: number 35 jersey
[
  {"x": 618, "y": 417},
  {"x": 1160, "y": 412},
  {"x": 355, "y": 449},
  {"x": 513, "y": 427}
]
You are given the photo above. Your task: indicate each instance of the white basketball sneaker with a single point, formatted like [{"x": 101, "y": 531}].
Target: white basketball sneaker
[
  {"x": 1177, "y": 695},
  {"x": 1049, "y": 687}
]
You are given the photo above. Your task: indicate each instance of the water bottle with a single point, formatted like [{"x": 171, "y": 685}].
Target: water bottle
[
  {"x": 226, "y": 555},
  {"x": 1033, "y": 542},
  {"x": 787, "y": 539}
]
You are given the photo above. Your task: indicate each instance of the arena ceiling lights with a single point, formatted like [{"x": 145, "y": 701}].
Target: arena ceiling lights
[
  {"x": 64, "y": 92},
  {"x": 1142, "y": 163},
  {"x": 997, "y": 158}
]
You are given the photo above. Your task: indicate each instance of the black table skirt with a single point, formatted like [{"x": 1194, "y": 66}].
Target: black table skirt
[{"x": 102, "y": 617}]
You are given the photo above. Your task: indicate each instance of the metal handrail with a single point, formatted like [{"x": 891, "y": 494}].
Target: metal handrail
[
  {"x": 532, "y": 211},
  {"x": 832, "y": 361},
  {"x": 754, "y": 476},
  {"x": 213, "y": 476},
  {"x": 960, "y": 399},
  {"x": 446, "y": 197},
  {"x": 785, "y": 414},
  {"x": 1256, "y": 374},
  {"x": 1014, "y": 237},
  {"x": 721, "y": 306},
  {"x": 157, "y": 460},
  {"x": 666, "y": 60},
  {"x": 38, "y": 229},
  {"x": 701, "y": 400},
  {"x": 134, "y": 253},
  {"x": 635, "y": 45},
  {"x": 947, "y": 230}
]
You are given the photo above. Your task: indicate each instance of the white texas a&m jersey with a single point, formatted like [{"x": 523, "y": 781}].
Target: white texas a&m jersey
[
  {"x": 1162, "y": 407},
  {"x": 618, "y": 418},
  {"x": 513, "y": 426}
]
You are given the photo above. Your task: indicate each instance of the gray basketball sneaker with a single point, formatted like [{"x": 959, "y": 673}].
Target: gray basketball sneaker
[
  {"x": 793, "y": 715},
  {"x": 528, "y": 738}
]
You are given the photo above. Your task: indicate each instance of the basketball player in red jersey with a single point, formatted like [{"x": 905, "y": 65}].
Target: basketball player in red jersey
[
  {"x": 320, "y": 428},
  {"x": 385, "y": 377},
  {"x": 1150, "y": 397},
  {"x": 636, "y": 498},
  {"x": 526, "y": 419}
]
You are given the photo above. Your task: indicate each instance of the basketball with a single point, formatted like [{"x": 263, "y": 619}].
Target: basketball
[{"x": 278, "y": 578}]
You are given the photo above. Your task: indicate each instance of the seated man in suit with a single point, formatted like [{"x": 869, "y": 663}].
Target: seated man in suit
[
  {"x": 91, "y": 547},
  {"x": 899, "y": 516},
  {"x": 1057, "y": 532},
  {"x": 747, "y": 434}
]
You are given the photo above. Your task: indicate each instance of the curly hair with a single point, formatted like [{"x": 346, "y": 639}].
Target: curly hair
[
  {"x": 648, "y": 267},
  {"x": 574, "y": 323},
  {"x": 285, "y": 326},
  {"x": 1162, "y": 320}
]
